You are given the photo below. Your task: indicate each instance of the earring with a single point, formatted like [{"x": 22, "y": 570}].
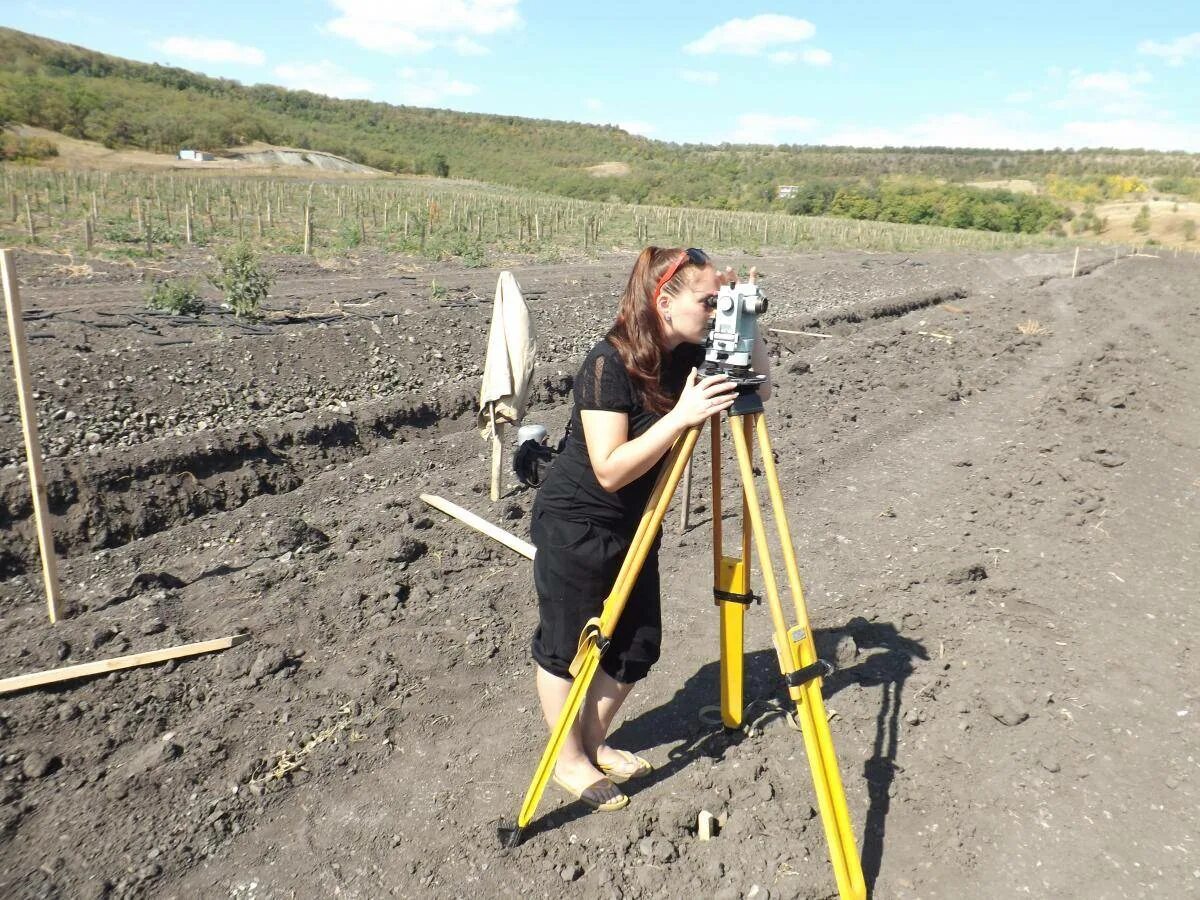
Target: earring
[{"x": 667, "y": 316}]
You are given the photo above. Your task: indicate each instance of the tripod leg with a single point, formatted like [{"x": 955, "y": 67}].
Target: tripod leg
[
  {"x": 810, "y": 707},
  {"x": 731, "y": 581},
  {"x": 598, "y": 631}
]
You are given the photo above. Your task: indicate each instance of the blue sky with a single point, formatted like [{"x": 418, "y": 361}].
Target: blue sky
[{"x": 1016, "y": 75}]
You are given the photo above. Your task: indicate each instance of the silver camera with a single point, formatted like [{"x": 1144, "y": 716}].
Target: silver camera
[{"x": 733, "y": 333}]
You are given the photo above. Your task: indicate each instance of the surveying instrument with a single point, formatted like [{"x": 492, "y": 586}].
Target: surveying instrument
[{"x": 727, "y": 350}]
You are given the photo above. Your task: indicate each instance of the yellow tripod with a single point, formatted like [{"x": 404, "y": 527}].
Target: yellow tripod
[{"x": 802, "y": 670}]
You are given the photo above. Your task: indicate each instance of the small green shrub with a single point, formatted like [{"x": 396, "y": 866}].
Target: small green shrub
[
  {"x": 180, "y": 297},
  {"x": 127, "y": 233},
  {"x": 1189, "y": 229},
  {"x": 1141, "y": 222},
  {"x": 349, "y": 234},
  {"x": 241, "y": 281}
]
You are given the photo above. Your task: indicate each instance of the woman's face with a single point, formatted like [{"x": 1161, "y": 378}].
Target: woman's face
[{"x": 687, "y": 312}]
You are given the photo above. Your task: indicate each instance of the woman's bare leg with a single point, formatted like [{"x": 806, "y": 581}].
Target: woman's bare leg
[
  {"x": 605, "y": 696},
  {"x": 574, "y": 764}
]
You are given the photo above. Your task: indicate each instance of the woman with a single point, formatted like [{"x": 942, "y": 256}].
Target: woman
[{"x": 636, "y": 392}]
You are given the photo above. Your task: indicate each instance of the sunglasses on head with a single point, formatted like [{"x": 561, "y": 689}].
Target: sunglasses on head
[{"x": 692, "y": 255}]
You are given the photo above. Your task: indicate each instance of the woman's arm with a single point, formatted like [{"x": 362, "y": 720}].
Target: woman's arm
[{"x": 618, "y": 461}]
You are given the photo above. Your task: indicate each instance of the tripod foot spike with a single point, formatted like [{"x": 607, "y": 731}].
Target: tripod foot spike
[{"x": 510, "y": 836}]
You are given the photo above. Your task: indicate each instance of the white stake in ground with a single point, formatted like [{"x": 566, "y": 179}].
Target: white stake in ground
[{"x": 33, "y": 449}]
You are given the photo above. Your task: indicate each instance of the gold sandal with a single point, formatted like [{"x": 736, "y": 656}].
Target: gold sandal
[
  {"x": 634, "y": 767},
  {"x": 611, "y": 805}
]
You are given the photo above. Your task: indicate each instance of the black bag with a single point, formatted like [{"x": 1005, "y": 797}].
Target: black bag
[{"x": 534, "y": 455}]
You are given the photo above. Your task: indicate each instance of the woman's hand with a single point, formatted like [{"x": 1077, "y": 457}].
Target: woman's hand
[{"x": 703, "y": 397}]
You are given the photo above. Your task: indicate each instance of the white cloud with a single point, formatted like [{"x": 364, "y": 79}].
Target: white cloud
[
  {"x": 749, "y": 37},
  {"x": 783, "y": 57},
  {"x": 950, "y": 130},
  {"x": 762, "y": 128},
  {"x": 211, "y": 51},
  {"x": 323, "y": 77},
  {"x": 429, "y": 87},
  {"x": 593, "y": 104},
  {"x": 1019, "y": 97},
  {"x": 1133, "y": 133},
  {"x": 1112, "y": 93},
  {"x": 415, "y": 26},
  {"x": 464, "y": 46},
  {"x": 1173, "y": 52},
  {"x": 645, "y": 129},
  {"x": 986, "y": 131},
  {"x": 1114, "y": 84},
  {"x": 699, "y": 76},
  {"x": 817, "y": 57}
]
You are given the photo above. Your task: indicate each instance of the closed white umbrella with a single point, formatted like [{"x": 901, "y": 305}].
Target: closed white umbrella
[{"x": 507, "y": 370}]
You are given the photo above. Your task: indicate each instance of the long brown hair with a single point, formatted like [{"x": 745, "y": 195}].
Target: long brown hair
[{"x": 638, "y": 334}]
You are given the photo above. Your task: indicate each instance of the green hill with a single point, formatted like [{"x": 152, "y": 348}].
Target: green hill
[{"x": 122, "y": 103}]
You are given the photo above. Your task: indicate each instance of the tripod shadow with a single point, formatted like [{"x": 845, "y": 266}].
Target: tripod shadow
[{"x": 884, "y": 659}]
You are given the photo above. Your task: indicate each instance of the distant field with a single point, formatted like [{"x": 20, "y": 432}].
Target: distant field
[
  {"x": 139, "y": 214},
  {"x": 1167, "y": 218},
  {"x": 77, "y": 154}
]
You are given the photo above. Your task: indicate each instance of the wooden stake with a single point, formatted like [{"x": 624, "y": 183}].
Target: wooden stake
[
  {"x": 307, "y": 229},
  {"x": 33, "y": 448},
  {"x": 685, "y": 494},
  {"x": 87, "y": 234},
  {"x": 104, "y": 666},
  {"x": 187, "y": 223},
  {"x": 497, "y": 451},
  {"x": 513, "y": 542},
  {"x": 29, "y": 219},
  {"x": 1075, "y": 265}
]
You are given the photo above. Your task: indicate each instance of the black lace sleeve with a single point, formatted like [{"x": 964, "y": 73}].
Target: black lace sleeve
[{"x": 603, "y": 382}]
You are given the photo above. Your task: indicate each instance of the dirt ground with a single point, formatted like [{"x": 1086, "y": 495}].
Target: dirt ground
[{"x": 997, "y": 530}]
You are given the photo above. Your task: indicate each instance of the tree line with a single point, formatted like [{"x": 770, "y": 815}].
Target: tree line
[{"x": 122, "y": 103}]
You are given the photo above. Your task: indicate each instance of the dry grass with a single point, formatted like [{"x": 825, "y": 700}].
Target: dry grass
[
  {"x": 289, "y": 761},
  {"x": 609, "y": 170},
  {"x": 1032, "y": 327},
  {"x": 1166, "y": 221},
  {"x": 1016, "y": 185}
]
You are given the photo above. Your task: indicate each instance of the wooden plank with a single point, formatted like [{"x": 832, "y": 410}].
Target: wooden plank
[
  {"x": 511, "y": 541},
  {"x": 805, "y": 333},
  {"x": 33, "y": 447},
  {"x": 103, "y": 666}
]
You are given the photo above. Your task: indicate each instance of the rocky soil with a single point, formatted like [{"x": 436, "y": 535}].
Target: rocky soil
[{"x": 997, "y": 529}]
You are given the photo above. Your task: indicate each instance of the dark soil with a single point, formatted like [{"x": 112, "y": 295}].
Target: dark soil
[{"x": 998, "y": 533}]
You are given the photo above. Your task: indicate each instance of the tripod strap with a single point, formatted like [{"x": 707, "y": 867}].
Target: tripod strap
[
  {"x": 745, "y": 599},
  {"x": 591, "y": 636}
]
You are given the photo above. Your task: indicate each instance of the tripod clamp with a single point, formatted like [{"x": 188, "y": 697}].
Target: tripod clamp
[
  {"x": 820, "y": 669},
  {"x": 747, "y": 599}
]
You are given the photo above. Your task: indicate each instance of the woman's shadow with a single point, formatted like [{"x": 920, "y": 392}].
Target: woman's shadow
[{"x": 884, "y": 659}]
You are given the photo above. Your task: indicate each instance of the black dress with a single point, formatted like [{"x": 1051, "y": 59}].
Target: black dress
[{"x": 582, "y": 532}]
